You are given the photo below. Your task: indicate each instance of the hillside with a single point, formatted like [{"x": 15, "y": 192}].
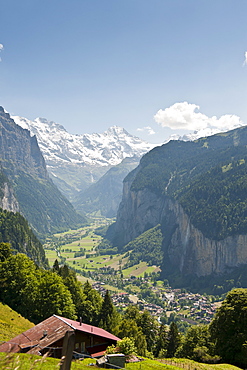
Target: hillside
[
  {"x": 39, "y": 200},
  {"x": 207, "y": 174},
  {"x": 197, "y": 192},
  {"x": 146, "y": 247},
  {"x": 11, "y": 323},
  {"x": 26, "y": 362},
  {"x": 104, "y": 196},
  {"x": 14, "y": 229}
]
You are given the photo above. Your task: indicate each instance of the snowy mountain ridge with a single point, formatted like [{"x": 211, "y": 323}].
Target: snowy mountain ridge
[
  {"x": 60, "y": 147},
  {"x": 76, "y": 163}
]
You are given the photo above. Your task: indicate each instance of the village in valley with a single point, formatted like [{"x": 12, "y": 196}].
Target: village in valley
[
  {"x": 184, "y": 306},
  {"x": 138, "y": 284}
]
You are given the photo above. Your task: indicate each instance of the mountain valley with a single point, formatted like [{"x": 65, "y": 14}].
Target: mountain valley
[
  {"x": 77, "y": 162},
  {"x": 195, "y": 191},
  {"x": 178, "y": 243}
]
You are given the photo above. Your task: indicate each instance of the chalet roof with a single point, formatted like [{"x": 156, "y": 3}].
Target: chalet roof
[
  {"x": 49, "y": 331},
  {"x": 90, "y": 329}
]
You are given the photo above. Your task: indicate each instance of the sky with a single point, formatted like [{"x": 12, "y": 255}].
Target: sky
[{"x": 155, "y": 67}]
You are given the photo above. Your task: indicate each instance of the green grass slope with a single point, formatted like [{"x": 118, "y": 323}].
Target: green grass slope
[
  {"x": 11, "y": 323},
  {"x": 28, "y": 362}
]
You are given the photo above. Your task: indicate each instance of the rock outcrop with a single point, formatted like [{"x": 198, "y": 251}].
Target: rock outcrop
[
  {"x": 191, "y": 252},
  {"x": 186, "y": 249},
  {"x": 18, "y": 150},
  {"x": 9, "y": 201}
]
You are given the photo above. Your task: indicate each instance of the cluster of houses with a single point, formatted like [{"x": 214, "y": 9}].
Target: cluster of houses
[
  {"x": 123, "y": 299},
  {"x": 196, "y": 308},
  {"x": 193, "y": 306}
]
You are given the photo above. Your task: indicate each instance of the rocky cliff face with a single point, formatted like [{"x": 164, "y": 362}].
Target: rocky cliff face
[
  {"x": 196, "y": 191},
  {"x": 138, "y": 211},
  {"x": 191, "y": 252},
  {"x": 186, "y": 249},
  {"x": 24, "y": 182},
  {"x": 8, "y": 200},
  {"x": 18, "y": 150}
]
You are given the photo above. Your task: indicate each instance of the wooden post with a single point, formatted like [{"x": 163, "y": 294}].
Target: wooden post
[{"x": 67, "y": 351}]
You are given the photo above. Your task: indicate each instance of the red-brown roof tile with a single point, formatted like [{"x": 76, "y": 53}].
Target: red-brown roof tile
[
  {"x": 48, "y": 332},
  {"x": 88, "y": 328}
]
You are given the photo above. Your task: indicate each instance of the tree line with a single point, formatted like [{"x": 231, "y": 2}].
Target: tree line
[
  {"x": 36, "y": 294},
  {"x": 14, "y": 229}
]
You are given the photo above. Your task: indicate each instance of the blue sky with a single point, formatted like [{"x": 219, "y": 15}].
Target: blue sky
[{"x": 91, "y": 64}]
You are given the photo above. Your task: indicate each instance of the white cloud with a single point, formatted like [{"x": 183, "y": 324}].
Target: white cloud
[
  {"x": 148, "y": 129},
  {"x": 245, "y": 58},
  {"x": 1, "y": 48},
  {"x": 186, "y": 116}
]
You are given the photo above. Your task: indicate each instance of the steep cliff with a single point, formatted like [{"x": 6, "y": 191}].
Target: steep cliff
[
  {"x": 185, "y": 248},
  {"x": 197, "y": 192},
  {"x": 8, "y": 199},
  {"x": 38, "y": 199},
  {"x": 190, "y": 252}
]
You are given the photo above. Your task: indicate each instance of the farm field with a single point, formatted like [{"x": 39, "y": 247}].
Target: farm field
[{"x": 78, "y": 249}]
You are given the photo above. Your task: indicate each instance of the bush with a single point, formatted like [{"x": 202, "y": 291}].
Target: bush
[{"x": 125, "y": 346}]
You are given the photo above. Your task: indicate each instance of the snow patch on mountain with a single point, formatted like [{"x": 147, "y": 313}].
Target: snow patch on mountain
[
  {"x": 60, "y": 147},
  {"x": 195, "y": 135}
]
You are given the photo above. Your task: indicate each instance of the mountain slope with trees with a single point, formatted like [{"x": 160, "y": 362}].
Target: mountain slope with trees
[
  {"x": 197, "y": 192},
  {"x": 14, "y": 229},
  {"x": 45, "y": 208},
  {"x": 207, "y": 177},
  {"x": 147, "y": 247}
]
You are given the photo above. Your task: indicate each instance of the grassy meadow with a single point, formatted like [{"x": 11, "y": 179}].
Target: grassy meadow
[
  {"x": 78, "y": 249},
  {"x": 31, "y": 362},
  {"x": 11, "y": 323}
]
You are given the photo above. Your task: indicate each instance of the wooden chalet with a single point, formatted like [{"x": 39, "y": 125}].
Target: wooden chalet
[{"x": 48, "y": 336}]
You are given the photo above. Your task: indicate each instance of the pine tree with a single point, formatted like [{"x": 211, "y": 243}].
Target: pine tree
[
  {"x": 162, "y": 341},
  {"x": 229, "y": 328},
  {"x": 149, "y": 327},
  {"x": 91, "y": 305},
  {"x": 108, "y": 315},
  {"x": 173, "y": 340},
  {"x": 5, "y": 251},
  {"x": 56, "y": 266}
]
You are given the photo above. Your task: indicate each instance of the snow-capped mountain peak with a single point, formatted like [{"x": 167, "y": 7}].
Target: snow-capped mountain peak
[{"x": 59, "y": 146}]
